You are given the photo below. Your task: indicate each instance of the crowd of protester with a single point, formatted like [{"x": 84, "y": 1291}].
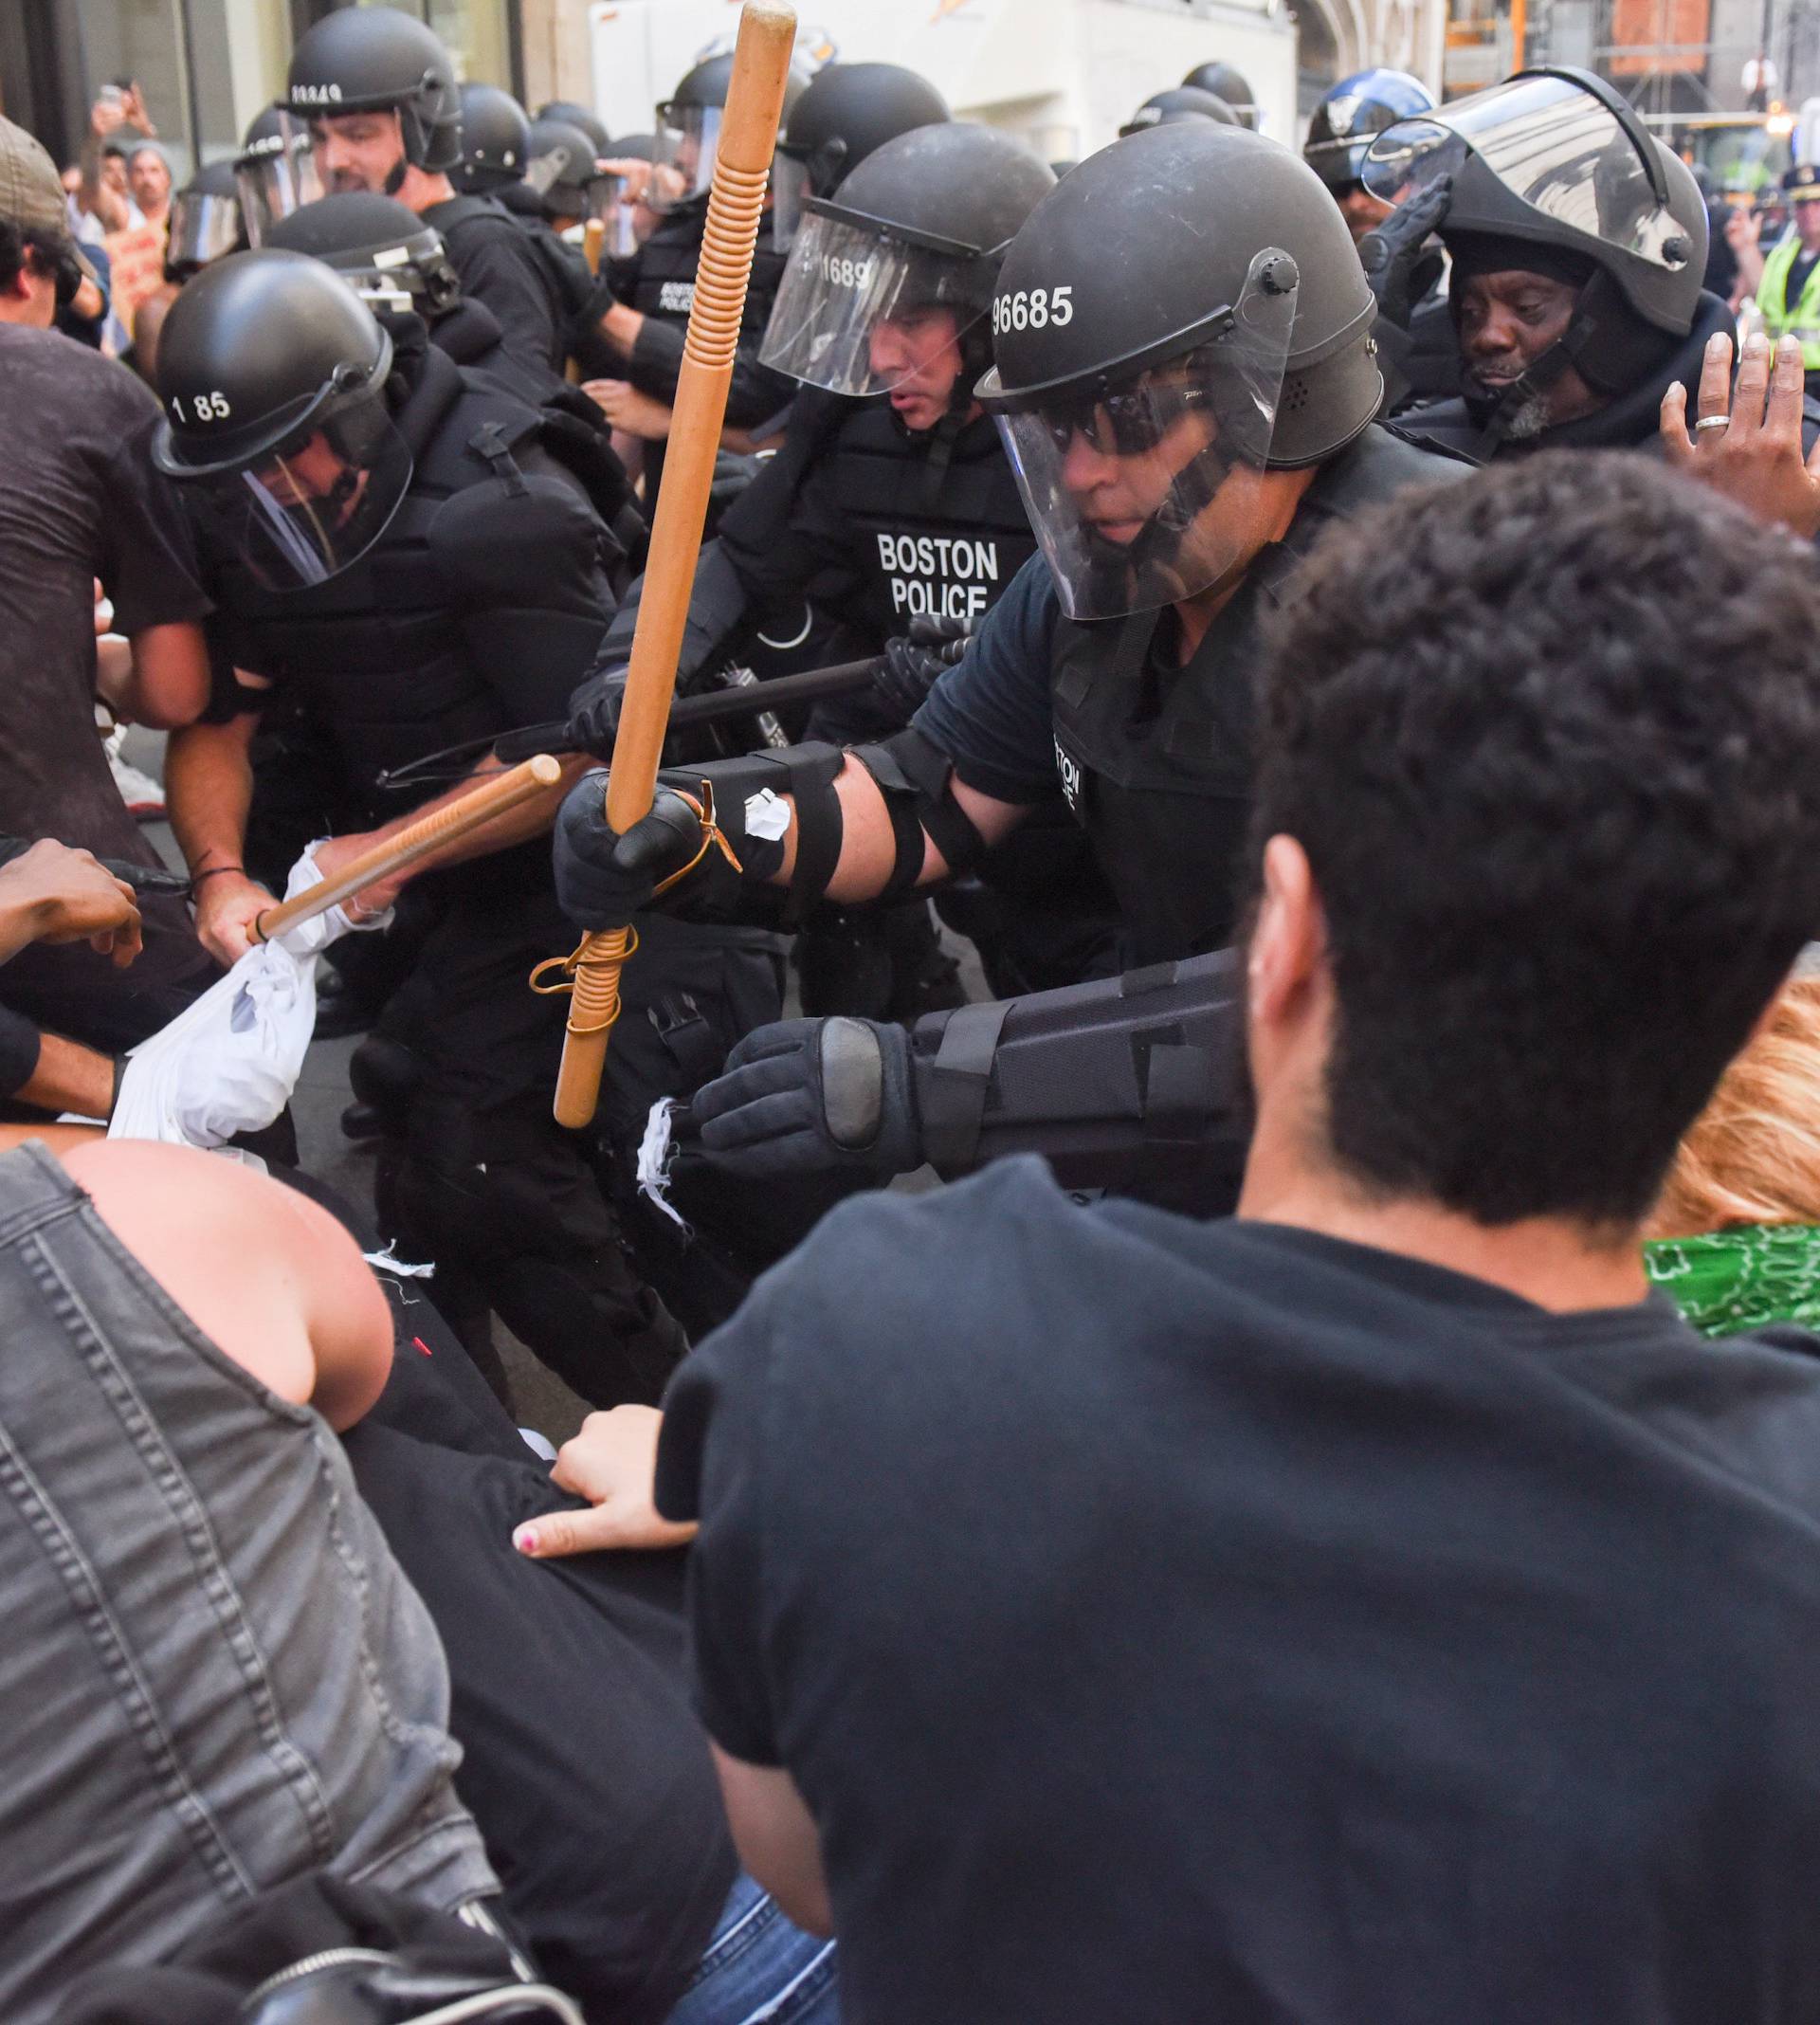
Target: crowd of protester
[{"x": 1310, "y": 1518}]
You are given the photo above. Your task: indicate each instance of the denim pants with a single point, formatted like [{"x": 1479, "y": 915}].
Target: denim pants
[{"x": 760, "y": 1969}]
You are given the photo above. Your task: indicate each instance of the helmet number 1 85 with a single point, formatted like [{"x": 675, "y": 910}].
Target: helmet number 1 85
[
  {"x": 1033, "y": 309},
  {"x": 203, "y": 407}
]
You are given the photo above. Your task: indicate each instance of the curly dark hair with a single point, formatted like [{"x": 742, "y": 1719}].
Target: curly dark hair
[
  {"x": 51, "y": 253},
  {"x": 1551, "y": 744}
]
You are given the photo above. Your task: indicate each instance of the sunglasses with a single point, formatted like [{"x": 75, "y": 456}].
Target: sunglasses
[{"x": 1127, "y": 423}]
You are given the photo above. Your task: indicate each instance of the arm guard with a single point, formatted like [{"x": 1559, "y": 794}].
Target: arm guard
[
  {"x": 748, "y": 794},
  {"x": 718, "y": 602},
  {"x": 1133, "y": 1084}
]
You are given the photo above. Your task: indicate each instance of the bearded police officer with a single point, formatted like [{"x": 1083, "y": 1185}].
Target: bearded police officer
[
  {"x": 411, "y": 556},
  {"x": 1188, "y": 404},
  {"x": 374, "y": 92}
]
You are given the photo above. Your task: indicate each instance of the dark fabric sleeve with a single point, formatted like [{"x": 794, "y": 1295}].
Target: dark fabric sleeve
[
  {"x": 657, "y": 360},
  {"x": 991, "y": 714},
  {"x": 148, "y": 555},
  {"x": 18, "y": 1051},
  {"x": 755, "y": 394},
  {"x": 711, "y": 1461},
  {"x": 502, "y": 269}
]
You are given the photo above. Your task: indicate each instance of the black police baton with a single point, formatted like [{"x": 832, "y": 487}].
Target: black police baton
[{"x": 748, "y": 698}]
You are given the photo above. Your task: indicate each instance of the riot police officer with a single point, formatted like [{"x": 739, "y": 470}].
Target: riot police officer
[
  {"x": 374, "y": 90},
  {"x": 1226, "y": 82},
  {"x": 1415, "y": 337},
  {"x": 1572, "y": 318},
  {"x": 1187, "y": 101},
  {"x": 642, "y": 303},
  {"x": 1187, "y": 402},
  {"x": 496, "y": 141},
  {"x": 409, "y": 555}
]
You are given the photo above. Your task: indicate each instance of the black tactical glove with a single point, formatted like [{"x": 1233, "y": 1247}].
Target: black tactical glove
[
  {"x": 814, "y": 1097},
  {"x": 603, "y": 879},
  {"x": 915, "y": 662},
  {"x": 593, "y": 712},
  {"x": 1394, "y": 255}
]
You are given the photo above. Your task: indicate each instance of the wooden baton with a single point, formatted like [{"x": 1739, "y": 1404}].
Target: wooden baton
[
  {"x": 493, "y": 797},
  {"x": 743, "y": 165}
]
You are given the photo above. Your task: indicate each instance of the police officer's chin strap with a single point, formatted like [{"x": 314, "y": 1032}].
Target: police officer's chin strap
[{"x": 1155, "y": 547}]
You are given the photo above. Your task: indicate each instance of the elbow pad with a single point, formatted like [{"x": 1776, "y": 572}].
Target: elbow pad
[{"x": 917, "y": 780}]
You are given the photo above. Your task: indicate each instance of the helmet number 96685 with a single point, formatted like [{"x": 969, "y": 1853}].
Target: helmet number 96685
[
  {"x": 1033, "y": 309},
  {"x": 203, "y": 407}
]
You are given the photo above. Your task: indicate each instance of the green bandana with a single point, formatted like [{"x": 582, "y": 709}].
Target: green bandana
[{"x": 1742, "y": 1278}]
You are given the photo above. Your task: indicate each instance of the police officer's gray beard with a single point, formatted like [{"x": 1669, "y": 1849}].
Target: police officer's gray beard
[{"x": 1528, "y": 421}]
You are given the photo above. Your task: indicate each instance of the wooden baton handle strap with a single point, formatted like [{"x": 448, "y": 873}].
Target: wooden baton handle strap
[
  {"x": 743, "y": 165},
  {"x": 493, "y": 797}
]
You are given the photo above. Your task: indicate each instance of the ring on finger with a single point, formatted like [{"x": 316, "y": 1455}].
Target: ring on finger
[{"x": 1707, "y": 422}]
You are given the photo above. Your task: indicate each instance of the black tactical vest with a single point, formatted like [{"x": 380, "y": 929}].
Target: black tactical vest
[
  {"x": 378, "y": 655},
  {"x": 659, "y": 280},
  {"x": 1156, "y": 759},
  {"x": 935, "y": 522}
]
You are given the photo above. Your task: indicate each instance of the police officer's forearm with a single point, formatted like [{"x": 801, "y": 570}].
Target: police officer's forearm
[
  {"x": 208, "y": 791},
  {"x": 868, "y": 846},
  {"x": 69, "y": 1077},
  {"x": 620, "y": 327}
]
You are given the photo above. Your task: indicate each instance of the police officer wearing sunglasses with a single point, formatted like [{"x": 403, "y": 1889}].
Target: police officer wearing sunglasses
[{"x": 1188, "y": 404}]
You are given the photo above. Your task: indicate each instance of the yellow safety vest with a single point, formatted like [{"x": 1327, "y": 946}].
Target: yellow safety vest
[{"x": 1804, "y": 322}]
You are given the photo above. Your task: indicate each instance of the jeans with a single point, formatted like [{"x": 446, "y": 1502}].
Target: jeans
[{"x": 760, "y": 1969}]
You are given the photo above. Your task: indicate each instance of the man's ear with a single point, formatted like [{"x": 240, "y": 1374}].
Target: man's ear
[{"x": 1289, "y": 940}]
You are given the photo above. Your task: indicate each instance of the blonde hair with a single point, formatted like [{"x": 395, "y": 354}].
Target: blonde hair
[{"x": 1753, "y": 1155}]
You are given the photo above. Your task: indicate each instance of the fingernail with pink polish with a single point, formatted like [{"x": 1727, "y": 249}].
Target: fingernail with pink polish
[{"x": 525, "y": 1539}]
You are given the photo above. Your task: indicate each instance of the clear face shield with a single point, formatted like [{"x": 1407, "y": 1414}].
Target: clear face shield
[
  {"x": 201, "y": 228},
  {"x": 688, "y": 139},
  {"x": 613, "y": 199},
  {"x": 860, "y": 312},
  {"x": 791, "y": 186},
  {"x": 278, "y": 180},
  {"x": 1146, "y": 489},
  {"x": 303, "y": 512},
  {"x": 1553, "y": 145}
]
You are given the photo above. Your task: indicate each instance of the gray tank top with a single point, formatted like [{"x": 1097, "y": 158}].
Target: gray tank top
[{"x": 213, "y": 1676}]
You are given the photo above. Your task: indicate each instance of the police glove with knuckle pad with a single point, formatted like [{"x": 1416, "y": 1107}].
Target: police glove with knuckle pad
[
  {"x": 814, "y": 1096},
  {"x": 1398, "y": 264}
]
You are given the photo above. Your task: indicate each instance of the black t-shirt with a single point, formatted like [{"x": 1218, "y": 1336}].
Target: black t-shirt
[
  {"x": 79, "y": 499},
  {"x": 498, "y": 266},
  {"x": 1169, "y": 1621}
]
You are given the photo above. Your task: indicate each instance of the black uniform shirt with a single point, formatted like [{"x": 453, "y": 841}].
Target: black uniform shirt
[
  {"x": 1168, "y": 1622},
  {"x": 498, "y": 266}
]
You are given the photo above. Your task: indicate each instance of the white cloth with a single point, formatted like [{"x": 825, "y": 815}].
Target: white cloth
[
  {"x": 654, "y": 1154},
  {"x": 229, "y": 1063}
]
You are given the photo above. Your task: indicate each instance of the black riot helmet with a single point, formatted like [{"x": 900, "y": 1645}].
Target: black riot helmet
[
  {"x": 578, "y": 115},
  {"x": 920, "y": 225},
  {"x": 496, "y": 140},
  {"x": 1226, "y": 82},
  {"x": 377, "y": 59},
  {"x": 205, "y": 221},
  {"x": 1187, "y": 101},
  {"x": 688, "y": 130},
  {"x": 1351, "y": 117},
  {"x": 385, "y": 253},
  {"x": 1554, "y": 170},
  {"x": 275, "y": 172},
  {"x": 272, "y": 377},
  {"x": 1182, "y": 313},
  {"x": 562, "y": 170},
  {"x": 845, "y": 112}
]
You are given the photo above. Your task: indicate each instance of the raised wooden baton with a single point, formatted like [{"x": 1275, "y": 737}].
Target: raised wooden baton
[{"x": 743, "y": 165}]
